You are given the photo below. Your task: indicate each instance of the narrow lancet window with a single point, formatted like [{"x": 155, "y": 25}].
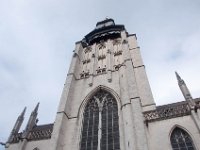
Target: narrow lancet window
[
  {"x": 90, "y": 126},
  {"x": 181, "y": 140},
  {"x": 110, "y": 126},
  {"x": 100, "y": 129}
]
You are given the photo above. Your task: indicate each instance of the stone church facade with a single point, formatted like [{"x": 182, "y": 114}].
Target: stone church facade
[{"x": 107, "y": 103}]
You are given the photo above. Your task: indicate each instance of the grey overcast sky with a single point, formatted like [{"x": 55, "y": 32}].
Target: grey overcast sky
[{"x": 37, "y": 39}]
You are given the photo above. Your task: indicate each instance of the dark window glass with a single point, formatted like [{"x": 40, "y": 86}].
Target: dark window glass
[
  {"x": 90, "y": 126},
  {"x": 103, "y": 105},
  {"x": 110, "y": 130},
  {"x": 181, "y": 140}
]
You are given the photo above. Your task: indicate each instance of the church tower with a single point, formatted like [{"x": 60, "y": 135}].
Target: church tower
[{"x": 105, "y": 94}]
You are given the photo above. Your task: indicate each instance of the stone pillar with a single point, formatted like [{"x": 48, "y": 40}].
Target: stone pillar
[
  {"x": 58, "y": 132},
  {"x": 138, "y": 120},
  {"x": 196, "y": 119},
  {"x": 143, "y": 86},
  {"x": 71, "y": 142},
  {"x": 137, "y": 115},
  {"x": 129, "y": 137}
]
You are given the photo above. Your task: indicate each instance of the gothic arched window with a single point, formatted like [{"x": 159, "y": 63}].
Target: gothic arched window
[
  {"x": 100, "y": 130},
  {"x": 181, "y": 140}
]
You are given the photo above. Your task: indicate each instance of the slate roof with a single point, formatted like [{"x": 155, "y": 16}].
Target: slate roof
[
  {"x": 39, "y": 132},
  {"x": 103, "y": 32}
]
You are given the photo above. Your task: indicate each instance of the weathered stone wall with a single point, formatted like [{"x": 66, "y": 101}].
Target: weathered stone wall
[
  {"x": 124, "y": 77},
  {"x": 159, "y": 132}
]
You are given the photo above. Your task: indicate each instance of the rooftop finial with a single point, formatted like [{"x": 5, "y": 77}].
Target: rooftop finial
[
  {"x": 180, "y": 81},
  {"x": 36, "y": 108},
  {"x": 23, "y": 112},
  {"x": 177, "y": 76},
  {"x": 185, "y": 91}
]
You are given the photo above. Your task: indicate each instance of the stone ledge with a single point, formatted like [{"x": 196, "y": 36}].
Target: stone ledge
[{"x": 170, "y": 111}]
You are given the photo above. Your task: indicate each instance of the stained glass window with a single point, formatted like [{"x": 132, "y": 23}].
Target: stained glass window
[
  {"x": 100, "y": 129},
  {"x": 181, "y": 140}
]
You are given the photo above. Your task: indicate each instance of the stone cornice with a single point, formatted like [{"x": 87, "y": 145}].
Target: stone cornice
[{"x": 169, "y": 111}]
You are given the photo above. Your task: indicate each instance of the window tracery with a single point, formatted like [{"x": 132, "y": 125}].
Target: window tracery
[
  {"x": 117, "y": 53},
  {"x": 100, "y": 130},
  {"x": 101, "y": 67},
  {"x": 87, "y": 54},
  {"x": 181, "y": 140}
]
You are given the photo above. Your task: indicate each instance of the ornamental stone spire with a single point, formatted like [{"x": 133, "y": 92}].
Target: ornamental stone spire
[
  {"x": 32, "y": 121},
  {"x": 17, "y": 125},
  {"x": 185, "y": 91}
]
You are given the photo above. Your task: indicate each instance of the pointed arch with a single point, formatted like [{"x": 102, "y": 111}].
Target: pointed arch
[
  {"x": 100, "y": 123},
  {"x": 95, "y": 90},
  {"x": 180, "y": 139}
]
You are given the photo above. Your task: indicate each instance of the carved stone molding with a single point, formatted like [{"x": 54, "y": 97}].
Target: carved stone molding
[
  {"x": 168, "y": 111},
  {"x": 116, "y": 42},
  {"x": 116, "y": 67},
  {"x": 101, "y": 70},
  {"x": 101, "y": 57},
  {"x": 117, "y": 53},
  {"x": 86, "y": 61},
  {"x": 84, "y": 75},
  {"x": 88, "y": 49}
]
